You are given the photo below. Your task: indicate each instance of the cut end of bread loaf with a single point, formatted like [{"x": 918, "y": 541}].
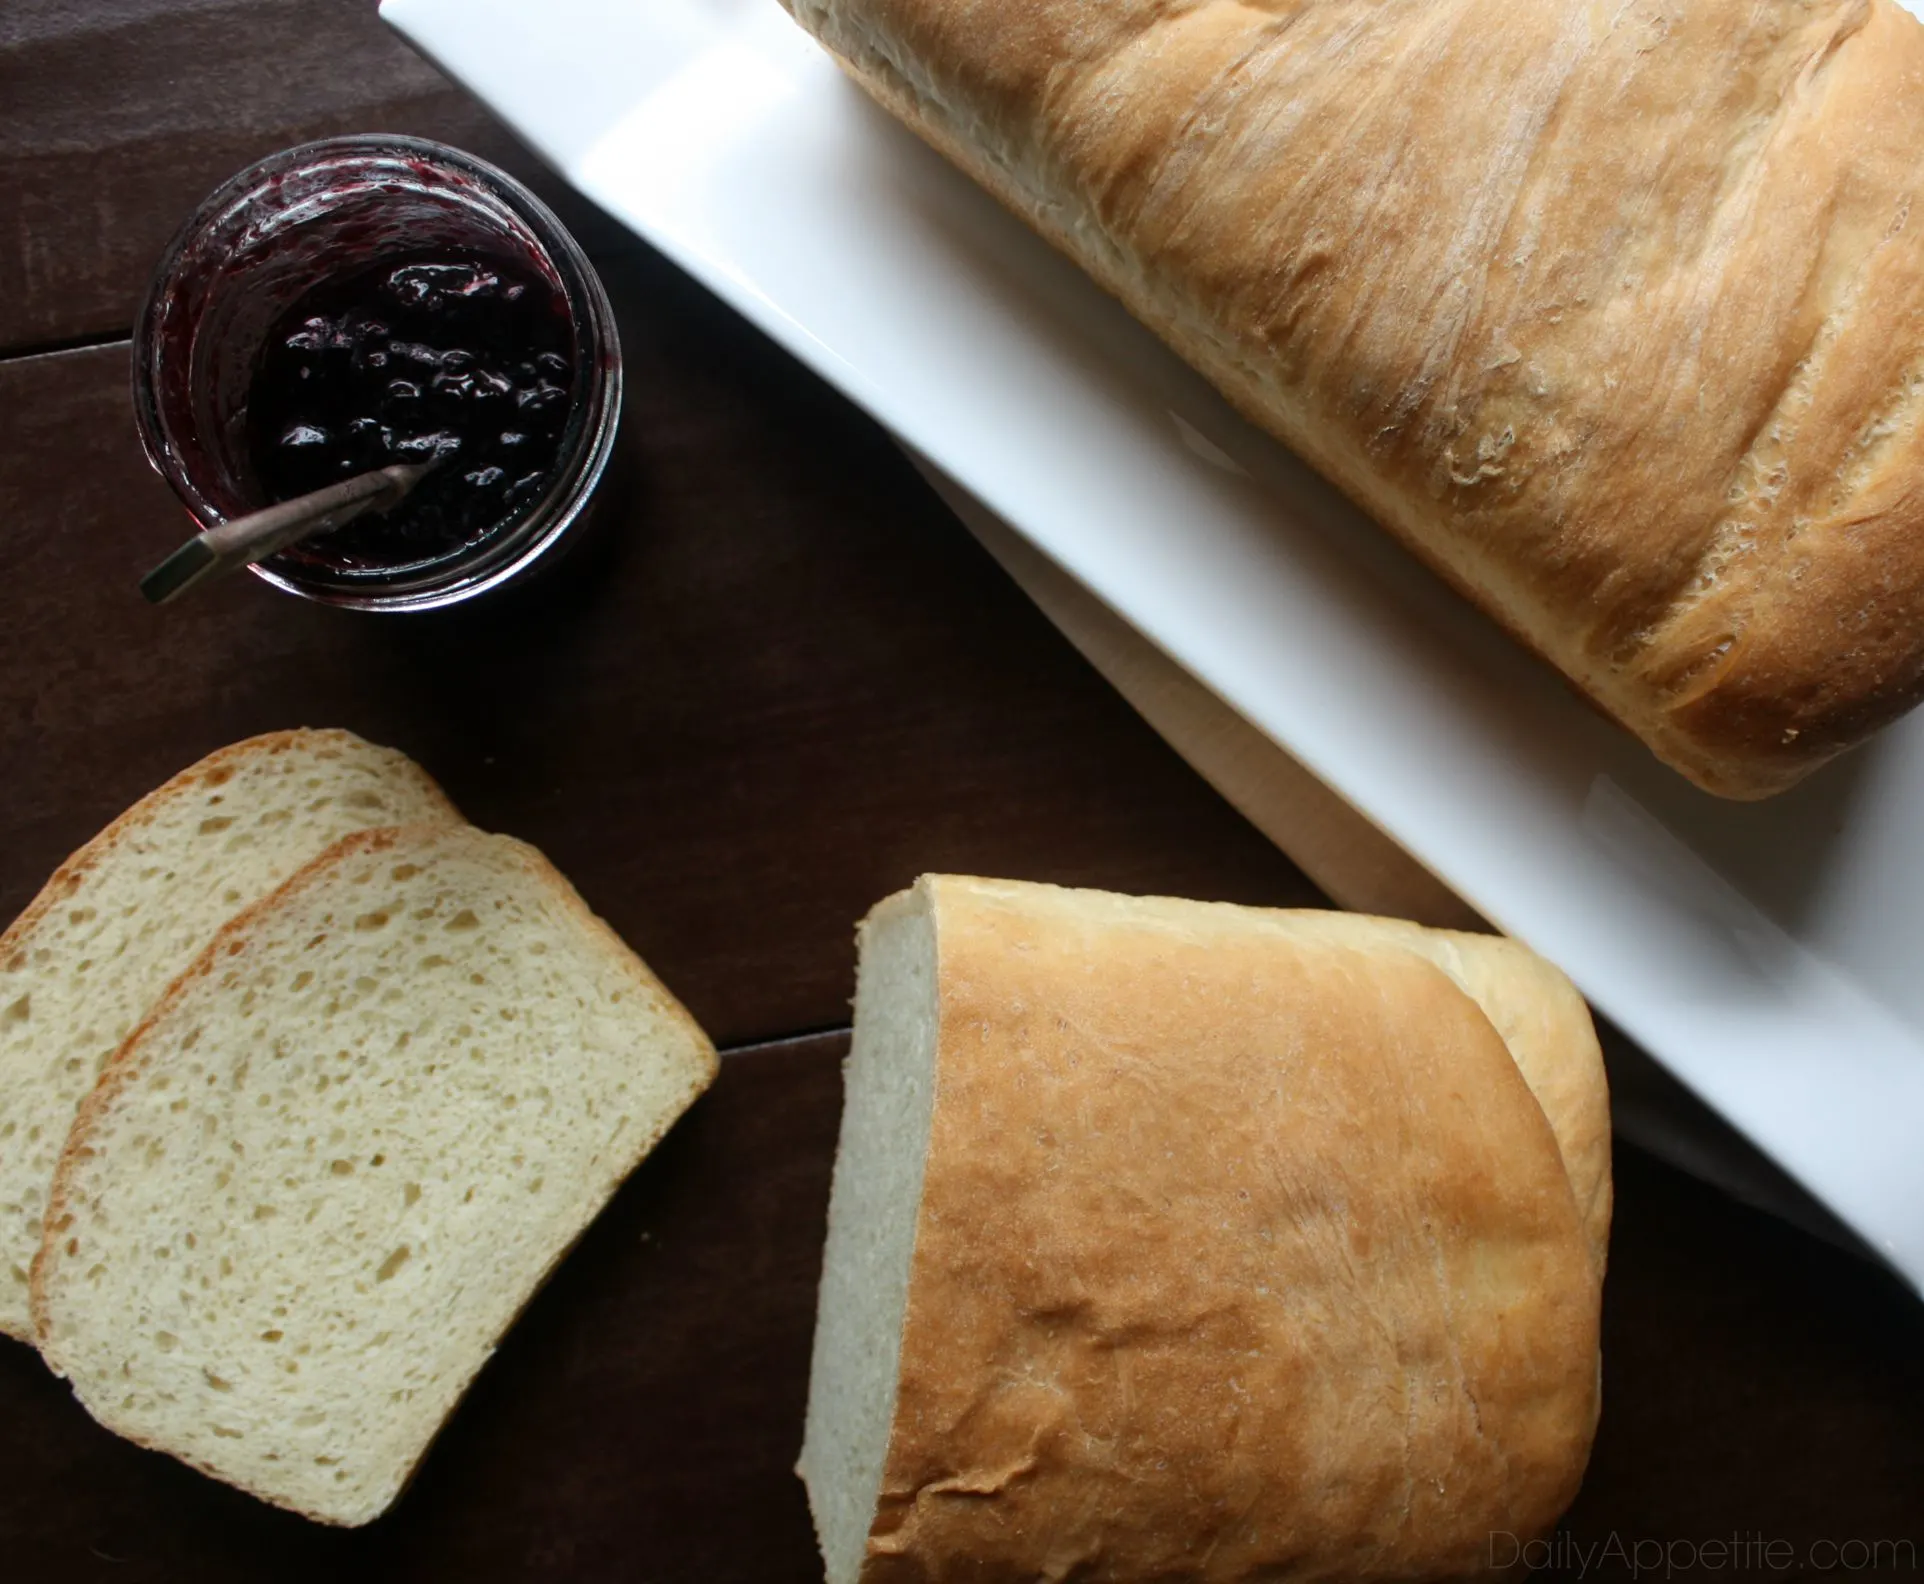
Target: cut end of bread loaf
[
  {"x": 1173, "y": 1239},
  {"x": 890, "y": 1091},
  {"x": 331, "y": 1168},
  {"x": 126, "y": 913}
]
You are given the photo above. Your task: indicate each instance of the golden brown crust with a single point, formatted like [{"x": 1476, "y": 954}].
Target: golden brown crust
[
  {"x": 1240, "y": 1254},
  {"x": 1541, "y": 1018},
  {"x": 1610, "y": 313}
]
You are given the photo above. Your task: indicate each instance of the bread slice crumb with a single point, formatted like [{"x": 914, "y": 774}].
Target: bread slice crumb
[
  {"x": 342, "y": 1154},
  {"x": 125, "y": 914}
]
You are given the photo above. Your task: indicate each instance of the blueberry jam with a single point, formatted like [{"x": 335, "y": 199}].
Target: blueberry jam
[{"x": 461, "y": 358}]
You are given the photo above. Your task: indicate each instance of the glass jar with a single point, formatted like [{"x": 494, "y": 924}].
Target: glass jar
[{"x": 326, "y": 211}]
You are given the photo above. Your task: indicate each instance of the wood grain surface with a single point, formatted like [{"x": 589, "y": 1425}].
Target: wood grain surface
[
  {"x": 118, "y": 116},
  {"x": 773, "y": 682}
]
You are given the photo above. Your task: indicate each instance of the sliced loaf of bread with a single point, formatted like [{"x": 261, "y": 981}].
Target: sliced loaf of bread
[
  {"x": 328, "y": 1171},
  {"x": 1172, "y": 1240},
  {"x": 128, "y": 912}
]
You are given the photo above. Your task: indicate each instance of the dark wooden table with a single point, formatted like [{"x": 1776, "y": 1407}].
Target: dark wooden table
[{"x": 779, "y": 682}]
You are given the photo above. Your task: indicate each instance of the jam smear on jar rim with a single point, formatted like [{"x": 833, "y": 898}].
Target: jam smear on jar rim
[{"x": 449, "y": 356}]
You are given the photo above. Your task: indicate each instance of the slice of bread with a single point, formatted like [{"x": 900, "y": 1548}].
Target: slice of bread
[
  {"x": 327, "y": 1172},
  {"x": 1177, "y": 1240},
  {"x": 128, "y": 912}
]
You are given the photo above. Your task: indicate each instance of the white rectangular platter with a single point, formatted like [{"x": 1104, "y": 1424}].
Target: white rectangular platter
[{"x": 1765, "y": 953}]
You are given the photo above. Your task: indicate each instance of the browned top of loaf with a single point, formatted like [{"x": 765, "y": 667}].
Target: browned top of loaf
[
  {"x": 1235, "y": 1254},
  {"x": 1615, "y": 313}
]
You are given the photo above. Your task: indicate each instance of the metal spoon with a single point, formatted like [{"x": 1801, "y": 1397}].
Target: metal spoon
[{"x": 258, "y": 535}]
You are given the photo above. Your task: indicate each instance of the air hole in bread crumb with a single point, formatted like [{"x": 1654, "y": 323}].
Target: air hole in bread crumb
[
  {"x": 21, "y": 1010},
  {"x": 392, "y": 1263},
  {"x": 166, "y": 1341},
  {"x": 272, "y": 1336},
  {"x": 214, "y": 1380},
  {"x": 464, "y": 920},
  {"x": 265, "y": 1212},
  {"x": 406, "y": 871},
  {"x": 379, "y": 1160},
  {"x": 302, "y": 980},
  {"x": 224, "y": 1433},
  {"x": 411, "y": 1194},
  {"x": 434, "y": 960},
  {"x": 342, "y": 1168},
  {"x": 371, "y": 921},
  {"x": 214, "y": 824}
]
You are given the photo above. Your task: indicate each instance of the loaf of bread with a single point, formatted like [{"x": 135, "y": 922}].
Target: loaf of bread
[
  {"x": 324, "y": 1175},
  {"x": 1172, "y": 1240},
  {"x": 124, "y": 915},
  {"x": 1614, "y": 314}
]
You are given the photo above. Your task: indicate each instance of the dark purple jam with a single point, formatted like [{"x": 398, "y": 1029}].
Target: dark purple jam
[{"x": 457, "y": 357}]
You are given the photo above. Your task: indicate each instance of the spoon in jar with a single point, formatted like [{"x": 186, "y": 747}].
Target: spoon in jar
[{"x": 259, "y": 534}]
